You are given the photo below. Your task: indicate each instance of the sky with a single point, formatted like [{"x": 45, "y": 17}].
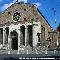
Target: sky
[{"x": 49, "y": 8}]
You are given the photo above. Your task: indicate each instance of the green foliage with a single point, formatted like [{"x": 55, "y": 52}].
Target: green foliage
[{"x": 58, "y": 27}]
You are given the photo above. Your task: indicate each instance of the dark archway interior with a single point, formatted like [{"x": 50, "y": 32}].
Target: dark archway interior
[
  {"x": 1, "y": 35},
  {"x": 15, "y": 43},
  {"x": 30, "y": 35},
  {"x": 22, "y": 29},
  {"x": 7, "y": 33},
  {"x": 14, "y": 36}
]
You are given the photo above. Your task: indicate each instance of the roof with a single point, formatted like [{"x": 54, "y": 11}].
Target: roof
[
  {"x": 17, "y": 3},
  {"x": 30, "y": 5}
]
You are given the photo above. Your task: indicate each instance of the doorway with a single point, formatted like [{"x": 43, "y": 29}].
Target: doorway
[{"x": 14, "y": 42}]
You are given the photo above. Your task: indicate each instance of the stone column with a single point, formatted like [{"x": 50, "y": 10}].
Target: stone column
[
  {"x": 3, "y": 35},
  {"x": 25, "y": 35},
  {"x": 57, "y": 41},
  {"x": 9, "y": 41},
  {"x": 19, "y": 38}
]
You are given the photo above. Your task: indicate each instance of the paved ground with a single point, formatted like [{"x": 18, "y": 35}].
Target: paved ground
[
  {"x": 28, "y": 57},
  {"x": 55, "y": 52}
]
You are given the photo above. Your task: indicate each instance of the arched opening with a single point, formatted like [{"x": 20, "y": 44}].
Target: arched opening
[
  {"x": 14, "y": 42},
  {"x": 29, "y": 35},
  {"x": 22, "y": 36},
  {"x": 6, "y": 36},
  {"x": 1, "y": 35}
]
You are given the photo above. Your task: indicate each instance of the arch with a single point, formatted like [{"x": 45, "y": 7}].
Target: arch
[
  {"x": 14, "y": 41},
  {"x": 14, "y": 33},
  {"x": 22, "y": 36},
  {"x": 30, "y": 36}
]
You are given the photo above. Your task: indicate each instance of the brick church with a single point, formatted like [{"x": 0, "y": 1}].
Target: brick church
[{"x": 22, "y": 26}]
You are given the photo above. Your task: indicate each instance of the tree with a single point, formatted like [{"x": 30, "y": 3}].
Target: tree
[{"x": 58, "y": 27}]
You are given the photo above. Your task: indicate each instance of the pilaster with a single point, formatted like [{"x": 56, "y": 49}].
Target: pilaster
[
  {"x": 3, "y": 35},
  {"x": 9, "y": 41},
  {"x": 18, "y": 37},
  {"x": 25, "y": 35}
]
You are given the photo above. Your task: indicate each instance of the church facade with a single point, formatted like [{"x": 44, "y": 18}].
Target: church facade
[{"x": 23, "y": 26}]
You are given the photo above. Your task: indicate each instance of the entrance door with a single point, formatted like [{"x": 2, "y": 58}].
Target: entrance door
[
  {"x": 14, "y": 42},
  {"x": 30, "y": 35}
]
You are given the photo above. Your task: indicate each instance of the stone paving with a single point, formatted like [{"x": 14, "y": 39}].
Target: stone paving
[{"x": 29, "y": 52}]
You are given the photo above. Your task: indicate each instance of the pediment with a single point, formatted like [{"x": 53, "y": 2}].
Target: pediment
[{"x": 25, "y": 10}]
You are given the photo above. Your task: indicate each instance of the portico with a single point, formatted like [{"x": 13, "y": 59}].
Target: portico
[{"x": 21, "y": 34}]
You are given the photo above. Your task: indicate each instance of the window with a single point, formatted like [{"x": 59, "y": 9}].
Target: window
[
  {"x": 9, "y": 13},
  {"x": 43, "y": 34},
  {"x": 8, "y": 21},
  {"x": 25, "y": 19},
  {"x": 24, "y": 9},
  {"x": 36, "y": 19},
  {"x": 38, "y": 44},
  {"x": 38, "y": 34}
]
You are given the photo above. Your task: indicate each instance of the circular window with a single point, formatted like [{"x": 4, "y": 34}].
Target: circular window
[{"x": 16, "y": 16}]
